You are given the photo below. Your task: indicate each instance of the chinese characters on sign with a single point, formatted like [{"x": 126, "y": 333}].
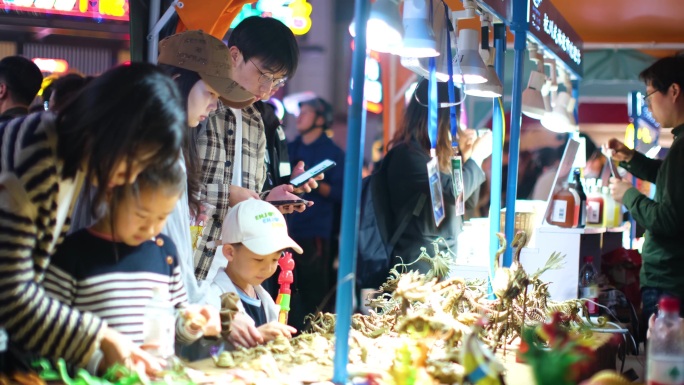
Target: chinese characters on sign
[{"x": 550, "y": 29}]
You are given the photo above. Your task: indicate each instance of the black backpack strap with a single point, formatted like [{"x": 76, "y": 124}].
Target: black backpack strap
[{"x": 405, "y": 221}]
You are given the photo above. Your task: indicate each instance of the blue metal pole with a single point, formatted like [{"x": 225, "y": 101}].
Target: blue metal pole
[
  {"x": 351, "y": 196},
  {"x": 497, "y": 150},
  {"x": 519, "y": 27},
  {"x": 635, "y": 111}
]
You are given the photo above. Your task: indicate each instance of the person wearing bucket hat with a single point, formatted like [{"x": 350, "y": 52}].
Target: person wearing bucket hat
[
  {"x": 208, "y": 56},
  {"x": 253, "y": 238},
  {"x": 199, "y": 64},
  {"x": 263, "y": 53}
]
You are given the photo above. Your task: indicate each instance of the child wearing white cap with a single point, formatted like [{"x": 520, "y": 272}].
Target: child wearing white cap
[{"x": 253, "y": 237}]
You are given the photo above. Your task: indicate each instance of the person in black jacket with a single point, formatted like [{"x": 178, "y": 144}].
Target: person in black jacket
[
  {"x": 20, "y": 81},
  {"x": 278, "y": 168},
  {"x": 405, "y": 172}
]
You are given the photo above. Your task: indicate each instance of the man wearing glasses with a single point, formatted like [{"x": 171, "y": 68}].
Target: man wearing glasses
[
  {"x": 232, "y": 145},
  {"x": 662, "y": 270}
]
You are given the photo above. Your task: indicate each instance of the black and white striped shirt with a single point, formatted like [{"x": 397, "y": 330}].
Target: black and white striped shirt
[
  {"x": 115, "y": 281},
  {"x": 30, "y": 178}
]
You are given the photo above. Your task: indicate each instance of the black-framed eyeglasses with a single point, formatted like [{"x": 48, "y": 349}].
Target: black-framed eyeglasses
[
  {"x": 266, "y": 78},
  {"x": 646, "y": 97}
]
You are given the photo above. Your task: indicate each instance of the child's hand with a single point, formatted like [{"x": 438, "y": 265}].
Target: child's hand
[
  {"x": 272, "y": 330},
  {"x": 243, "y": 333},
  {"x": 203, "y": 319}
]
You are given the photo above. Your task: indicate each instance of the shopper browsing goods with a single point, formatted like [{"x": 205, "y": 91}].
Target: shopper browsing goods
[
  {"x": 253, "y": 238},
  {"x": 120, "y": 267}
]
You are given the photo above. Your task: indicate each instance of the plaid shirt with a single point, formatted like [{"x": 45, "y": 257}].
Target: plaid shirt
[{"x": 216, "y": 151}]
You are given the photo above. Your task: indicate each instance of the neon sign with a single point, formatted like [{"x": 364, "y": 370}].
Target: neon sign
[
  {"x": 51, "y": 65},
  {"x": 372, "y": 91},
  {"x": 94, "y": 9},
  {"x": 296, "y": 14}
]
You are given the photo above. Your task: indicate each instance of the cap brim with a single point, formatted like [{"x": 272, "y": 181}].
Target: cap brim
[
  {"x": 229, "y": 91},
  {"x": 265, "y": 246}
]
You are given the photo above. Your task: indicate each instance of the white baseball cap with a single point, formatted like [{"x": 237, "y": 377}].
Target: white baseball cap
[{"x": 259, "y": 226}]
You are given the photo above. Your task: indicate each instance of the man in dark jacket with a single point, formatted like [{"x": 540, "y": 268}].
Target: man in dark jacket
[
  {"x": 315, "y": 228},
  {"x": 20, "y": 81},
  {"x": 662, "y": 271}
]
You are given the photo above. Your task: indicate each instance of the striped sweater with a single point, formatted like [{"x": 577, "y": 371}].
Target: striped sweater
[
  {"x": 30, "y": 178},
  {"x": 116, "y": 281}
]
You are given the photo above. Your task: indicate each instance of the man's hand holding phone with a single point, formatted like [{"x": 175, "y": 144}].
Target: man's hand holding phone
[
  {"x": 301, "y": 179},
  {"x": 284, "y": 193},
  {"x": 311, "y": 184}
]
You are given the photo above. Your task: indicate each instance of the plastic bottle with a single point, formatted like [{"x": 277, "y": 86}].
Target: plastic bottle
[
  {"x": 582, "y": 214},
  {"x": 159, "y": 325},
  {"x": 588, "y": 287},
  {"x": 564, "y": 208},
  {"x": 595, "y": 203},
  {"x": 665, "y": 357}
]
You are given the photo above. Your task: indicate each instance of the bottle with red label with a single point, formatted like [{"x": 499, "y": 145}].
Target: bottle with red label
[
  {"x": 665, "y": 357},
  {"x": 588, "y": 286}
]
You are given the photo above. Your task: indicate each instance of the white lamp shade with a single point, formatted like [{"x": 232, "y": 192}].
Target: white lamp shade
[
  {"x": 419, "y": 38},
  {"x": 384, "y": 28},
  {"x": 492, "y": 88},
  {"x": 468, "y": 65},
  {"x": 560, "y": 119},
  {"x": 532, "y": 99}
]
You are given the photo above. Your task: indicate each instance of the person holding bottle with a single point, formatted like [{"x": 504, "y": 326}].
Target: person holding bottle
[{"x": 662, "y": 271}]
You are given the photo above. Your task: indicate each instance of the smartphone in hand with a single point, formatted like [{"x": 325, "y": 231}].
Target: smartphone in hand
[
  {"x": 312, "y": 172},
  {"x": 289, "y": 202}
]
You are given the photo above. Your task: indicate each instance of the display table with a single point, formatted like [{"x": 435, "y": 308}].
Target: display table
[
  {"x": 575, "y": 245},
  {"x": 516, "y": 373}
]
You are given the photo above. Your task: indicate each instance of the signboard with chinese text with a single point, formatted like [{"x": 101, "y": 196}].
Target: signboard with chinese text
[
  {"x": 92, "y": 9},
  {"x": 553, "y": 32}
]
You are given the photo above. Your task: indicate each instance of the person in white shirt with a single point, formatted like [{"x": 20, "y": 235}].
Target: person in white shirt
[{"x": 253, "y": 238}]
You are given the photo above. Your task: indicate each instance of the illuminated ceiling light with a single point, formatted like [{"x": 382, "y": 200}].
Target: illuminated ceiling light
[
  {"x": 384, "y": 28},
  {"x": 468, "y": 65},
  {"x": 419, "y": 38},
  {"x": 533, "y": 103},
  {"x": 560, "y": 118},
  {"x": 532, "y": 100},
  {"x": 420, "y": 66},
  {"x": 492, "y": 88}
]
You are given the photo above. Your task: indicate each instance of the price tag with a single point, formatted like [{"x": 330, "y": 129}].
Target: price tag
[
  {"x": 436, "y": 191},
  {"x": 457, "y": 179}
]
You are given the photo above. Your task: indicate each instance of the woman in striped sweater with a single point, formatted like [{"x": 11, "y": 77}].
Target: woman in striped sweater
[{"x": 126, "y": 119}]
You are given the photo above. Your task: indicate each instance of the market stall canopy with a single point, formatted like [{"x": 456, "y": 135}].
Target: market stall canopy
[
  {"x": 654, "y": 27},
  {"x": 627, "y": 23}
]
